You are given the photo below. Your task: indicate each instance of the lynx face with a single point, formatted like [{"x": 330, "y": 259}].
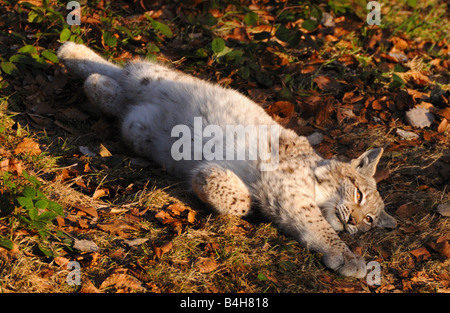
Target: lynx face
[{"x": 348, "y": 197}]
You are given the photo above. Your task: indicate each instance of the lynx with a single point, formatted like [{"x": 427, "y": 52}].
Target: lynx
[{"x": 308, "y": 197}]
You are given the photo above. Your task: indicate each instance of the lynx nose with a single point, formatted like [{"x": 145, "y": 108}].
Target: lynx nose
[{"x": 351, "y": 220}]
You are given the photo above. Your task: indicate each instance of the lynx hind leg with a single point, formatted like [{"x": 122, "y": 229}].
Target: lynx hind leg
[
  {"x": 83, "y": 61},
  {"x": 104, "y": 93},
  {"x": 223, "y": 190}
]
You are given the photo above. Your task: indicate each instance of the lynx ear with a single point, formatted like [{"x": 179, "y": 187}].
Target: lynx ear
[
  {"x": 366, "y": 164},
  {"x": 386, "y": 221}
]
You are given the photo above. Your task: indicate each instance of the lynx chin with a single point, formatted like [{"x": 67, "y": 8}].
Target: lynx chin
[{"x": 306, "y": 196}]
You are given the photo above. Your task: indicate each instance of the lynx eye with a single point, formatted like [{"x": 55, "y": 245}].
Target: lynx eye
[
  {"x": 368, "y": 219},
  {"x": 359, "y": 195}
]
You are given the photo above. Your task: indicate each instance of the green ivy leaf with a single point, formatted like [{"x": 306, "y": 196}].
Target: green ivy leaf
[
  {"x": 45, "y": 250},
  {"x": 397, "y": 81},
  {"x": 310, "y": 25},
  {"x": 25, "y": 202},
  {"x": 201, "y": 53},
  {"x": 250, "y": 19},
  {"x": 50, "y": 55},
  {"x": 262, "y": 35},
  {"x": 316, "y": 12},
  {"x": 208, "y": 20},
  {"x": 291, "y": 36},
  {"x": 262, "y": 277},
  {"x": 35, "y": 17},
  {"x": 29, "y": 192},
  {"x": 164, "y": 29},
  {"x": 47, "y": 216},
  {"x": 65, "y": 35},
  {"x": 55, "y": 207},
  {"x": 33, "y": 213},
  {"x": 31, "y": 179},
  {"x": 6, "y": 243},
  {"x": 217, "y": 45},
  {"x": 151, "y": 47},
  {"x": 27, "y": 49},
  {"x": 109, "y": 39},
  {"x": 41, "y": 204},
  {"x": 9, "y": 68}
]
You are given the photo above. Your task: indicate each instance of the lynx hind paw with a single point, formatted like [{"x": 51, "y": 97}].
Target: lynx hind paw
[
  {"x": 72, "y": 51},
  {"x": 346, "y": 264}
]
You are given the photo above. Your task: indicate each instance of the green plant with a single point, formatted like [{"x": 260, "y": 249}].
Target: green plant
[
  {"x": 41, "y": 211},
  {"x": 42, "y": 13},
  {"x": 24, "y": 202}
]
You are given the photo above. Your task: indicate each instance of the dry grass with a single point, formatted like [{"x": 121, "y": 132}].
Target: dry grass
[{"x": 215, "y": 253}]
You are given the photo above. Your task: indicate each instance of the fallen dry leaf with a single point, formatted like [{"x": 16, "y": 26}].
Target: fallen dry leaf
[
  {"x": 421, "y": 254},
  {"x": 399, "y": 43},
  {"x": 160, "y": 251},
  {"x": 327, "y": 83},
  {"x": 88, "y": 287},
  {"x": 11, "y": 165},
  {"x": 9, "y": 254},
  {"x": 419, "y": 117},
  {"x": 444, "y": 126},
  {"x": 205, "y": 265},
  {"x": 176, "y": 209},
  {"x": 85, "y": 245},
  {"x": 445, "y": 113},
  {"x": 15, "y": 166},
  {"x": 122, "y": 280},
  {"x": 164, "y": 217},
  {"x": 182, "y": 211},
  {"x": 444, "y": 209},
  {"x": 100, "y": 192},
  {"x": 117, "y": 227},
  {"x": 89, "y": 210},
  {"x": 282, "y": 109},
  {"x": 103, "y": 151},
  {"x": 407, "y": 135},
  {"x": 61, "y": 261},
  {"x": 28, "y": 146},
  {"x": 442, "y": 246},
  {"x": 410, "y": 229},
  {"x": 407, "y": 210},
  {"x": 4, "y": 165},
  {"x": 135, "y": 242},
  {"x": 414, "y": 76},
  {"x": 175, "y": 216}
]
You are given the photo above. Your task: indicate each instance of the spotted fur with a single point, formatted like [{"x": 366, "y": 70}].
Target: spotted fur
[{"x": 306, "y": 196}]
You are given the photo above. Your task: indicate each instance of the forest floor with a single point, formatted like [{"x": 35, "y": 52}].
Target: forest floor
[{"x": 73, "y": 197}]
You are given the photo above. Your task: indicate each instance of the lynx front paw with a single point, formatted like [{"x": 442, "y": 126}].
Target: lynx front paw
[{"x": 346, "y": 264}]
